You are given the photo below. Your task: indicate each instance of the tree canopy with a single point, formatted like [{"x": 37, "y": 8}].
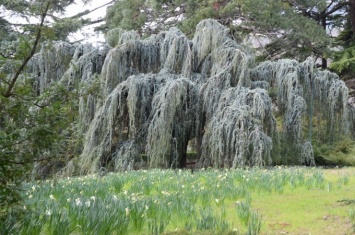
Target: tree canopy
[{"x": 284, "y": 29}]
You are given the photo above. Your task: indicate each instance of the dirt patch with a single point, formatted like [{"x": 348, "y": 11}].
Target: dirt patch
[
  {"x": 337, "y": 225},
  {"x": 279, "y": 225},
  {"x": 333, "y": 225}
]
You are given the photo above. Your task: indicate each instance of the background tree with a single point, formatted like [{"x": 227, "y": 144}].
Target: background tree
[
  {"x": 285, "y": 29},
  {"x": 344, "y": 56},
  {"x": 34, "y": 125}
]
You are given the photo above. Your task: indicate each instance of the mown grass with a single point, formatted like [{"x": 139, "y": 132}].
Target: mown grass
[{"x": 242, "y": 201}]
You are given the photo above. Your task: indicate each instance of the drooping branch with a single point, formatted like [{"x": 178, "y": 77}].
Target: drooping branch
[
  {"x": 303, "y": 89},
  {"x": 172, "y": 124},
  {"x": 154, "y": 96},
  {"x": 239, "y": 131}
]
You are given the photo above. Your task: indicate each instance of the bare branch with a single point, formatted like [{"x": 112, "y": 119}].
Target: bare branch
[
  {"x": 330, "y": 4},
  {"x": 86, "y": 12},
  {"x": 337, "y": 7},
  {"x": 86, "y": 23}
]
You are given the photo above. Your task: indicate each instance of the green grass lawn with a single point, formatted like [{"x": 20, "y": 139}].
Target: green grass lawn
[
  {"x": 310, "y": 211},
  {"x": 250, "y": 201}
]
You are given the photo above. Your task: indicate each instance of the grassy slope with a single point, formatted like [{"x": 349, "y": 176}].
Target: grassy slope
[
  {"x": 303, "y": 211},
  {"x": 307, "y": 208}
]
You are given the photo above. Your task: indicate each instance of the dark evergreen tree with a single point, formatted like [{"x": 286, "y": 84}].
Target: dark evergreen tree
[
  {"x": 35, "y": 118},
  {"x": 289, "y": 29}
]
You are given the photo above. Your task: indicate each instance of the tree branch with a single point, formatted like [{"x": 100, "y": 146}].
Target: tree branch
[
  {"x": 316, "y": 14},
  {"x": 337, "y": 8},
  {"x": 330, "y": 4},
  {"x": 4, "y": 80},
  {"x": 80, "y": 14},
  {"x": 86, "y": 23},
  {"x": 12, "y": 82}
]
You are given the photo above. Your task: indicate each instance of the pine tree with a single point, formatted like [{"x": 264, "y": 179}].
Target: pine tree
[{"x": 293, "y": 29}]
